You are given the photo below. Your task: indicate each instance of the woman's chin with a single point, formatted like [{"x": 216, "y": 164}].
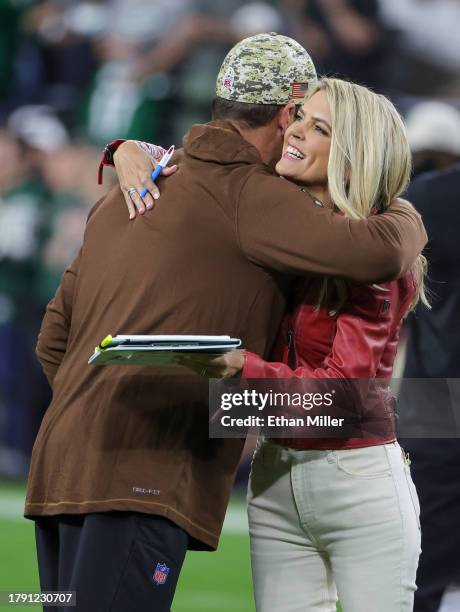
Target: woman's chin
[{"x": 285, "y": 168}]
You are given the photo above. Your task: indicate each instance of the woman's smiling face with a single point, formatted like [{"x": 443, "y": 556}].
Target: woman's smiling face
[{"x": 307, "y": 143}]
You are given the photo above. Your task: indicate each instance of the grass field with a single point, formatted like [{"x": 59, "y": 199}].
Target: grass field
[{"x": 210, "y": 582}]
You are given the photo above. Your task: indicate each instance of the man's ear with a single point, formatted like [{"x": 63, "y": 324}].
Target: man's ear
[{"x": 286, "y": 116}]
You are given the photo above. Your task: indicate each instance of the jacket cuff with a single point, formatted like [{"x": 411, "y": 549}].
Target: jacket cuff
[
  {"x": 254, "y": 366},
  {"x": 107, "y": 157}
]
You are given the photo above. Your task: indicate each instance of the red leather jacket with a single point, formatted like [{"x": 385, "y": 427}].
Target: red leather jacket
[{"x": 360, "y": 342}]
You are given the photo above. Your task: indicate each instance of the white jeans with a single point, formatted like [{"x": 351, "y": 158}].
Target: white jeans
[{"x": 333, "y": 523}]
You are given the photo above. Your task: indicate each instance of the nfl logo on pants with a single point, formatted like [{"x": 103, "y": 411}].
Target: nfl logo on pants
[{"x": 160, "y": 574}]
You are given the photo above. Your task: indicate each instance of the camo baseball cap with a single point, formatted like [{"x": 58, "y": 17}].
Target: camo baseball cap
[{"x": 266, "y": 69}]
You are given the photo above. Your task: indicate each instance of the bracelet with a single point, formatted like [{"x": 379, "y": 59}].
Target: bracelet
[{"x": 107, "y": 157}]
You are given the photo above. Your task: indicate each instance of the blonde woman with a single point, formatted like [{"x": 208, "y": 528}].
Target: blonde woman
[{"x": 330, "y": 517}]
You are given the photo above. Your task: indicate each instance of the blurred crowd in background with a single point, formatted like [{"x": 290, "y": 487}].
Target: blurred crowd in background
[{"x": 76, "y": 74}]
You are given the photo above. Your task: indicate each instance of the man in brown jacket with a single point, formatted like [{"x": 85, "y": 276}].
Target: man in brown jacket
[{"x": 124, "y": 477}]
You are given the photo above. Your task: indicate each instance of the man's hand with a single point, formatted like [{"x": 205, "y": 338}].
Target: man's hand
[
  {"x": 208, "y": 365},
  {"x": 134, "y": 169}
]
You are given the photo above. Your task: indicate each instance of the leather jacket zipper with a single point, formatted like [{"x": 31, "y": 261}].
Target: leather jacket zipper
[{"x": 292, "y": 354}]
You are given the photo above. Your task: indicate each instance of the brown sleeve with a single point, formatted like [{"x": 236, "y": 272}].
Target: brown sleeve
[
  {"x": 54, "y": 332},
  {"x": 279, "y": 227}
]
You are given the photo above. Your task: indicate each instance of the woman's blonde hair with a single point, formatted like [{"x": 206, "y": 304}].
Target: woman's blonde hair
[{"x": 370, "y": 159}]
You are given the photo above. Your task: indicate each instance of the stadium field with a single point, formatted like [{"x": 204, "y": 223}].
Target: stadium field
[{"x": 210, "y": 582}]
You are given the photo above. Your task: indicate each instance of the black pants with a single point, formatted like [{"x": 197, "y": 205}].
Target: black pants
[
  {"x": 115, "y": 561},
  {"x": 436, "y": 473}
]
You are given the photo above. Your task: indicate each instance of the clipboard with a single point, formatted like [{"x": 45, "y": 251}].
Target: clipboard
[{"x": 157, "y": 350}]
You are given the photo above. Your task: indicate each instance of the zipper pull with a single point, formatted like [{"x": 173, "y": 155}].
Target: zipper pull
[{"x": 292, "y": 355}]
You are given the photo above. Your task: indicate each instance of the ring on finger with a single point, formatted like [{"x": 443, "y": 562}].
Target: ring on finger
[{"x": 131, "y": 190}]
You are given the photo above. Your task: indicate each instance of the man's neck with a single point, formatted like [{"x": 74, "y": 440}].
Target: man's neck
[{"x": 265, "y": 140}]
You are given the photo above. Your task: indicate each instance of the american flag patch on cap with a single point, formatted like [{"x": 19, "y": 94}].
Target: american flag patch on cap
[{"x": 299, "y": 90}]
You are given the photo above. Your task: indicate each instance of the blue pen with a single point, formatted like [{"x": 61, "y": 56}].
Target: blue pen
[{"x": 164, "y": 161}]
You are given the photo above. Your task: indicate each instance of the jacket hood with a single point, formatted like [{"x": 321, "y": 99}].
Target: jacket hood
[{"x": 220, "y": 141}]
